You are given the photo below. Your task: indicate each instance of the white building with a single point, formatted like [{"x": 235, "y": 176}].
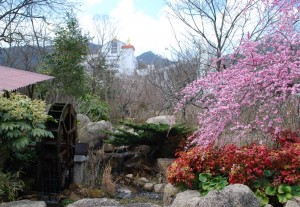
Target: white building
[{"x": 120, "y": 57}]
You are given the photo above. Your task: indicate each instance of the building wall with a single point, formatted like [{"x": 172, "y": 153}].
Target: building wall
[{"x": 119, "y": 57}]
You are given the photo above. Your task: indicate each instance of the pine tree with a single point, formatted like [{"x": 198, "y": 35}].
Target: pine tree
[{"x": 65, "y": 63}]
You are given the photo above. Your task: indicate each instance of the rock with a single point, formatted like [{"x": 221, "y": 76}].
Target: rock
[
  {"x": 291, "y": 203},
  {"x": 144, "y": 180},
  {"x": 231, "y": 196},
  {"x": 169, "y": 194},
  {"x": 139, "y": 164},
  {"x": 123, "y": 193},
  {"x": 117, "y": 161},
  {"x": 188, "y": 198},
  {"x": 163, "y": 164},
  {"x": 268, "y": 205},
  {"x": 24, "y": 203},
  {"x": 296, "y": 198},
  {"x": 74, "y": 197},
  {"x": 108, "y": 147},
  {"x": 92, "y": 133},
  {"x": 161, "y": 120},
  {"x": 104, "y": 202},
  {"x": 96, "y": 202},
  {"x": 82, "y": 120},
  {"x": 142, "y": 150},
  {"x": 141, "y": 205},
  {"x": 159, "y": 188},
  {"x": 149, "y": 186},
  {"x": 130, "y": 176}
]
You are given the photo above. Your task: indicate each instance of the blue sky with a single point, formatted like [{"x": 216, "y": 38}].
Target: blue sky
[
  {"x": 144, "y": 22},
  {"x": 149, "y": 7}
]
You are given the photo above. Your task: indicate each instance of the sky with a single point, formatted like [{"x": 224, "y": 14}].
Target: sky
[{"x": 143, "y": 22}]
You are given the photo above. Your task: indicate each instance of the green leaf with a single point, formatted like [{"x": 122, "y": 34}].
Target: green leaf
[
  {"x": 283, "y": 188},
  {"x": 257, "y": 183},
  {"x": 24, "y": 127},
  {"x": 271, "y": 190},
  {"x": 13, "y": 134},
  {"x": 296, "y": 190},
  {"x": 206, "y": 186},
  {"x": 283, "y": 198},
  {"x": 268, "y": 173},
  {"x": 222, "y": 184},
  {"x": 20, "y": 142},
  {"x": 203, "y": 177},
  {"x": 37, "y": 132},
  {"x": 263, "y": 198},
  {"x": 204, "y": 192}
]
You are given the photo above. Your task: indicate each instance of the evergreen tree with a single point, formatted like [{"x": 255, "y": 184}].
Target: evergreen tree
[{"x": 65, "y": 63}]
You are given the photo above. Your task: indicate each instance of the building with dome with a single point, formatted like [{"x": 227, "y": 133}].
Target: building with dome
[{"x": 119, "y": 57}]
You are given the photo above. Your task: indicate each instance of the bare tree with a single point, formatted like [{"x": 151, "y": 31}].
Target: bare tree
[
  {"x": 216, "y": 27},
  {"x": 128, "y": 91},
  {"x": 14, "y": 13},
  {"x": 105, "y": 30},
  {"x": 212, "y": 28},
  {"x": 25, "y": 53}
]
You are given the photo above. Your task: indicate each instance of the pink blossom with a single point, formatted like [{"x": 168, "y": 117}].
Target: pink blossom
[{"x": 266, "y": 76}]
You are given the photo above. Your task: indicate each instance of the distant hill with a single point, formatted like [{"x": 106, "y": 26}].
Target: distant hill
[
  {"x": 149, "y": 58},
  {"x": 29, "y": 57},
  {"x": 23, "y": 57}
]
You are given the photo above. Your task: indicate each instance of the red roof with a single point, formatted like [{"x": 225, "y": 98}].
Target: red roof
[
  {"x": 12, "y": 79},
  {"x": 128, "y": 46}
]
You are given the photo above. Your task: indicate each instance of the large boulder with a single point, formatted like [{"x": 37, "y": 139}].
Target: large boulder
[
  {"x": 82, "y": 120},
  {"x": 291, "y": 204},
  {"x": 94, "y": 202},
  {"x": 231, "y": 196},
  {"x": 92, "y": 132},
  {"x": 104, "y": 202},
  {"x": 24, "y": 203},
  {"x": 188, "y": 198},
  {"x": 170, "y": 120},
  {"x": 170, "y": 192}
]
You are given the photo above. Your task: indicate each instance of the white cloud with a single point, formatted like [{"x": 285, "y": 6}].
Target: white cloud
[
  {"x": 89, "y": 3},
  {"x": 145, "y": 32}
]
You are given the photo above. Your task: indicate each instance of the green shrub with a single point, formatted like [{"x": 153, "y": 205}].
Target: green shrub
[
  {"x": 66, "y": 202},
  {"x": 94, "y": 108},
  {"x": 10, "y": 185},
  {"x": 21, "y": 123},
  {"x": 207, "y": 183},
  {"x": 167, "y": 139}
]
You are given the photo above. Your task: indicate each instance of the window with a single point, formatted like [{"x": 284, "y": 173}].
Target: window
[{"x": 114, "y": 47}]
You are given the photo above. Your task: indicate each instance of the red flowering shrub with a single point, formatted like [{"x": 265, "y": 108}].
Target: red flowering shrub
[
  {"x": 287, "y": 137},
  {"x": 286, "y": 162},
  {"x": 249, "y": 164},
  {"x": 244, "y": 165},
  {"x": 192, "y": 162}
]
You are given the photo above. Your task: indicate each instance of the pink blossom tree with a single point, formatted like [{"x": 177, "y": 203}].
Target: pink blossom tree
[{"x": 263, "y": 74}]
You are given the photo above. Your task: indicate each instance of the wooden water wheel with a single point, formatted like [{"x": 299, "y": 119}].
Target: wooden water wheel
[{"x": 56, "y": 155}]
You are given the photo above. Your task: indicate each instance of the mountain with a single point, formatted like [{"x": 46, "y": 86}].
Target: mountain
[{"x": 149, "y": 58}]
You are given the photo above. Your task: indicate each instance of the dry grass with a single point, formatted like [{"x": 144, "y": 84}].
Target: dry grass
[
  {"x": 94, "y": 169},
  {"x": 107, "y": 182},
  {"x": 98, "y": 174}
]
